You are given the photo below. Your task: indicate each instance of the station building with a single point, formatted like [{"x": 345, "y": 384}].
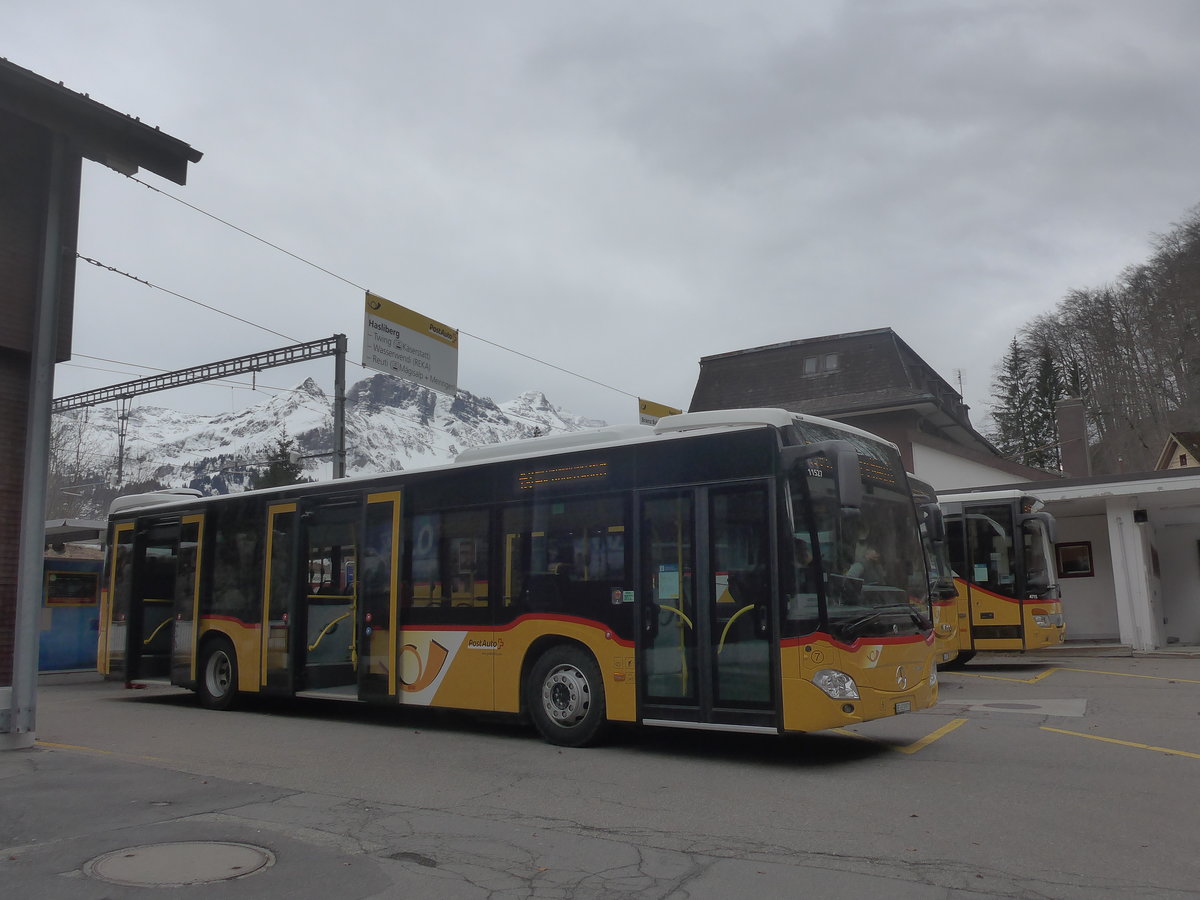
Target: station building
[
  {"x": 1128, "y": 546},
  {"x": 46, "y": 131}
]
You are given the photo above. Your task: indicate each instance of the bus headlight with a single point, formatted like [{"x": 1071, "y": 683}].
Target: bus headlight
[
  {"x": 1052, "y": 620},
  {"x": 835, "y": 684}
]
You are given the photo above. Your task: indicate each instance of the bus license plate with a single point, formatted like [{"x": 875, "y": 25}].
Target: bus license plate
[{"x": 904, "y": 706}]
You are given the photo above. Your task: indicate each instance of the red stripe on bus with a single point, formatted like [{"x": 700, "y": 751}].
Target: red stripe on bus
[
  {"x": 528, "y": 617},
  {"x": 820, "y": 636},
  {"x": 1019, "y": 601}
]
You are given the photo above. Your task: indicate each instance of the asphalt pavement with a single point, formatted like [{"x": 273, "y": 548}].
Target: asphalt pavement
[{"x": 116, "y": 819}]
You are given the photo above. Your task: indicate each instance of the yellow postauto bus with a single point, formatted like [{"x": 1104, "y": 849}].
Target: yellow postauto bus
[
  {"x": 943, "y": 587},
  {"x": 1001, "y": 548},
  {"x": 694, "y": 574}
]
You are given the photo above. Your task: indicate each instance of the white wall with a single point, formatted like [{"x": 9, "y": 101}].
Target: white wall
[
  {"x": 944, "y": 471},
  {"x": 1179, "y": 563},
  {"x": 1089, "y": 604}
]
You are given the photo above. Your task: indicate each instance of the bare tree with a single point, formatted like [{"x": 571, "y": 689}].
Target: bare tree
[
  {"x": 77, "y": 466},
  {"x": 1130, "y": 348}
]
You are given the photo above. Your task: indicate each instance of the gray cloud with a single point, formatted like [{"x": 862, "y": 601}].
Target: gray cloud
[{"x": 623, "y": 188}]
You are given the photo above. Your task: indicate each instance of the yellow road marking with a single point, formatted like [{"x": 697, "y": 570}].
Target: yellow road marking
[
  {"x": 915, "y": 745},
  {"x": 1051, "y": 670},
  {"x": 1133, "y": 675},
  {"x": 53, "y": 746},
  {"x": 933, "y": 736},
  {"x": 1034, "y": 680},
  {"x": 1108, "y": 740}
]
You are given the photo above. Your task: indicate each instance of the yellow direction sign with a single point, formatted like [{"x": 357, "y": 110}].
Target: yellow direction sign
[
  {"x": 411, "y": 346},
  {"x": 650, "y": 412}
]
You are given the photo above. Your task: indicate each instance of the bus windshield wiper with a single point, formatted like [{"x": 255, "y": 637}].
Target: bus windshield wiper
[{"x": 850, "y": 629}]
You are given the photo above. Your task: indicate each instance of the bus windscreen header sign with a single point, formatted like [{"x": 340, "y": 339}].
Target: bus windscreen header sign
[{"x": 404, "y": 343}]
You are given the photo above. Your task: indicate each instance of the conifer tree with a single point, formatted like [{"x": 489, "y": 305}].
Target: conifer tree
[
  {"x": 283, "y": 466},
  {"x": 1012, "y": 410},
  {"x": 1045, "y": 390}
]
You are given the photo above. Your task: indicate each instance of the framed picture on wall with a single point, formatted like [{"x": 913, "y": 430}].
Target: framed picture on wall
[{"x": 1074, "y": 559}]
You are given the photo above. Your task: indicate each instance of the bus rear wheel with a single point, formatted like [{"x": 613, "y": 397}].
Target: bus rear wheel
[
  {"x": 566, "y": 697},
  {"x": 217, "y": 685}
]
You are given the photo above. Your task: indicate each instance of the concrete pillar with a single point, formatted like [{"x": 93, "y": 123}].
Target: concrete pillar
[{"x": 1140, "y": 626}]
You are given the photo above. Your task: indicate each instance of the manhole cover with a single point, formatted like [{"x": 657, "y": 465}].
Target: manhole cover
[
  {"x": 179, "y": 864},
  {"x": 1012, "y": 706}
]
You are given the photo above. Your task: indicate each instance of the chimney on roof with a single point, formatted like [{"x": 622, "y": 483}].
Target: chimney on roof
[{"x": 1072, "y": 437}]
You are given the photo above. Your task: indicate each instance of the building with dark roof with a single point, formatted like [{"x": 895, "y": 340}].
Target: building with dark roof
[
  {"x": 1139, "y": 531},
  {"x": 874, "y": 381}
]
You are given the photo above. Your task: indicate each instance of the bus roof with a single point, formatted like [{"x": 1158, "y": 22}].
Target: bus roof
[
  {"x": 553, "y": 443},
  {"x": 779, "y": 418},
  {"x": 676, "y": 426},
  {"x": 153, "y": 498},
  {"x": 973, "y": 496}
]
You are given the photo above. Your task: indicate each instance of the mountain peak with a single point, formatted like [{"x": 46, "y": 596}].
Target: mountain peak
[{"x": 390, "y": 424}]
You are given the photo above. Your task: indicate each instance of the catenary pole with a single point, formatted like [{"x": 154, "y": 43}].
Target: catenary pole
[{"x": 339, "y": 408}]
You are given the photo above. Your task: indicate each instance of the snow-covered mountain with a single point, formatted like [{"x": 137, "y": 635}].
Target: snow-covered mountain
[{"x": 390, "y": 425}]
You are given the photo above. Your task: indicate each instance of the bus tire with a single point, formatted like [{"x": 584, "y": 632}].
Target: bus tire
[
  {"x": 960, "y": 661},
  {"x": 217, "y": 684},
  {"x": 565, "y": 697}
]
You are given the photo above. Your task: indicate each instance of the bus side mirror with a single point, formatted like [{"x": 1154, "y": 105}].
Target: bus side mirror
[
  {"x": 845, "y": 460},
  {"x": 1045, "y": 518},
  {"x": 935, "y": 523}
]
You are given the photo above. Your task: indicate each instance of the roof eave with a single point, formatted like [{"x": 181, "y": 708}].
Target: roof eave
[{"x": 98, "y": 132}]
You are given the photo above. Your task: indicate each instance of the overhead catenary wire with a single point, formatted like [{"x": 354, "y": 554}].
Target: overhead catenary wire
[
  {"x": 147, "y": 283},
  {"x": 354, "y": 284},
  {"x": 249, "y": 234},
  {"x": 150, "y": 284},
  {"x": 157, "y": 287}
]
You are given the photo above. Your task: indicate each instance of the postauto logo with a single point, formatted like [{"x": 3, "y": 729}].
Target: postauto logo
[{"x": 444, "y": 333}]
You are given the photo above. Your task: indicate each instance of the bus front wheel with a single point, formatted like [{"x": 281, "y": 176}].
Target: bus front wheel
[
  {"x": 964, "y": 657},
  {"x": 217, "y": 685},
  {"x": 566, "y": 697}
]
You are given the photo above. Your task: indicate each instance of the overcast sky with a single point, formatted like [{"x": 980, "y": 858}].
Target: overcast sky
[{"x": 618, "y": 188}]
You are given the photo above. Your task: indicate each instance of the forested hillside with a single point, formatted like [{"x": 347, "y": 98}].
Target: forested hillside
[{"x": 1130, "y": 349}]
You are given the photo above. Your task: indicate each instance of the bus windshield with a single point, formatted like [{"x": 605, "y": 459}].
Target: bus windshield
[
  {"x": 1039, "y": 580},
  {"x": 869, "y": 563},
  {"x": 941, "y": 575},
  {"x": 933, "y": 539}
]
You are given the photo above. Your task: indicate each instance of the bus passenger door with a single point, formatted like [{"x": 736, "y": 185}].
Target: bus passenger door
[
  {"x": 115, "y": 601},
  {"x": 152, "y": 607},
  {"x": 992, "y": 577},
  {"x": 706, "y": 629},
  {"x": 187, "y": 600},
  {"x": 325, "y": 635},
  {"x": 280, "y": 584},
  {"x": 379, "y": 596}
]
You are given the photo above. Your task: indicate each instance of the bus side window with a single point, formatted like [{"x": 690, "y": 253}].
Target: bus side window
[
  {"x": 565, "y": 556},
  {"x": 450, "y": 558},
  {"x": 237, "y": 552}
]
